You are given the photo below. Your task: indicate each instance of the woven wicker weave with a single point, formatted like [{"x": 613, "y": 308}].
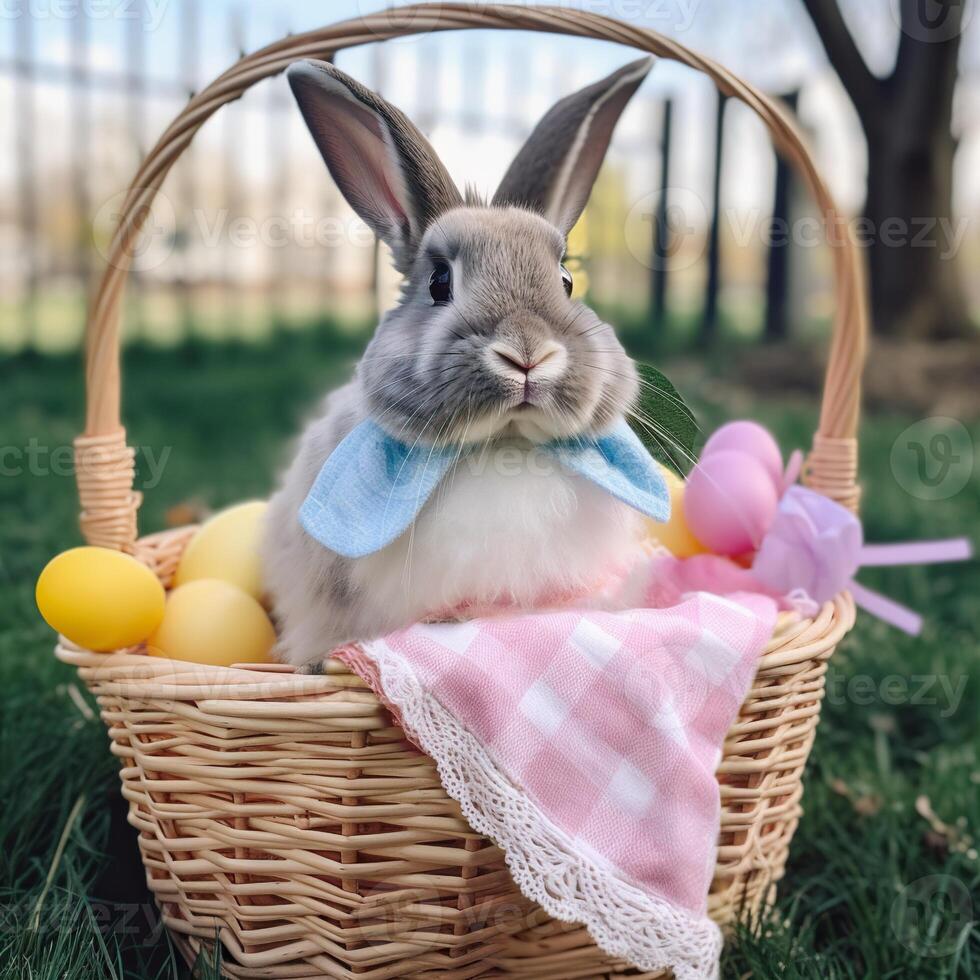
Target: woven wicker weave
[{"x": 288, "y": 815}]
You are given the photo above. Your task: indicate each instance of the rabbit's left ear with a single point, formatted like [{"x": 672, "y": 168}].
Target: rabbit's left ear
[
  {"x": 382, "y": 164},
  {"x": 554, "y": 171}
]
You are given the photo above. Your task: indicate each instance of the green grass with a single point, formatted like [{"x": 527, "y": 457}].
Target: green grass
[{"x": 227, "y": 414}]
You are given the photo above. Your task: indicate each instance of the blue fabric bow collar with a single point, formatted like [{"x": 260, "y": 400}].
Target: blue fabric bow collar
[{"x": 372, "y": 487}]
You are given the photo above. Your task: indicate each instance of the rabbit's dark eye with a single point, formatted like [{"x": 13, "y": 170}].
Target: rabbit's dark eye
[
  {"x": 566, "y": 280},
  {"x": 441, "y": 283}
]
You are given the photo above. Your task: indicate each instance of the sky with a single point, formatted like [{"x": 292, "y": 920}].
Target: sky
[
  {"x": 766, "y": 39},
  {"x": 770, "y": 42}
]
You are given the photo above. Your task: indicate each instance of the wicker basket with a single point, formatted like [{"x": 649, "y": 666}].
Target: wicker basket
[{"x": 288, "y": 816}]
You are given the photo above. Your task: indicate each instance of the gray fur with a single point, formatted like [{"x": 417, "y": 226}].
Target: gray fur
[
  {"x": 334, "y": 104},
  {"x": 428, "y": 376},
  {"x": 556, "y": 168}
]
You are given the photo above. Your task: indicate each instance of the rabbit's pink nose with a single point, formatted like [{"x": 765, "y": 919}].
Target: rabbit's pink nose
[
  {"x": 514, "y": 360},
  {"x": 510, "y": 359}
]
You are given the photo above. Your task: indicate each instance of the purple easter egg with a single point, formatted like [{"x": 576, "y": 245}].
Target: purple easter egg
[
  {"x": 751, "y": 438},
  {"x": 730, "y": 502}
]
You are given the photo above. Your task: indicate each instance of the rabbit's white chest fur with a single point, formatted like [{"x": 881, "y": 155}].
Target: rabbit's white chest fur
[
  {"x": 507, "y": 527},
  {"x": 499, "y": 530}
]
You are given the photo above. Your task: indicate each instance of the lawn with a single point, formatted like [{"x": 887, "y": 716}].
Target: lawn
[{"x": 884, "y": 878}]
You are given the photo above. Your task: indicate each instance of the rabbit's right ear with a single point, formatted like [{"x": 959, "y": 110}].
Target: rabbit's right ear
[
  {"x": 383, "y": 165},
  {"x": 554, "y": 171}
]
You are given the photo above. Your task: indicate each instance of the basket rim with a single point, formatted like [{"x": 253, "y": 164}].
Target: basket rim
[{"x": 797, "y": 640}]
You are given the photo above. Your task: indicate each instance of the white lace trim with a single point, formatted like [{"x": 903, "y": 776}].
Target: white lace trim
[{"x": 623, "y": 920}]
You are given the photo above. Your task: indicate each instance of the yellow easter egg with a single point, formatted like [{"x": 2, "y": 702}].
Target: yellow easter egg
[
  {"x": 99, "y": 598},
  {"x": 675, "y": 535},
  {"x": 209, "y": 621},
  {"x": 227, "y": 548}
]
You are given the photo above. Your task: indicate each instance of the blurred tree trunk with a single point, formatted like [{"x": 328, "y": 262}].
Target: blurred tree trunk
[
  {"x": 906, "y": 117},
  {"x": 709, "y": 320},
  {"x": 777, "y": 279}
]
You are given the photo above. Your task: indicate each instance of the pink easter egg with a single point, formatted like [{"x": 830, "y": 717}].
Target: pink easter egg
[
  {"x": 730, "y": 502},
  {"x": 751, "y": 438}
]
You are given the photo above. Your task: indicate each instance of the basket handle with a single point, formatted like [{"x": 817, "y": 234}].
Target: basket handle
[{"x": 105, "y": 464}]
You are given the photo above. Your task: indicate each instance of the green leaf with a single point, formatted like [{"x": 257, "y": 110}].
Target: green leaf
[{"x": 664, "y": 423}]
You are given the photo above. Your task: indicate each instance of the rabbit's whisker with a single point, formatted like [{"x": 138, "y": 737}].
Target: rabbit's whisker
[
  {"x": 665, "y": 439},
  {"x": 646, "y": 386},
  {"x": 407, "y": 568}
]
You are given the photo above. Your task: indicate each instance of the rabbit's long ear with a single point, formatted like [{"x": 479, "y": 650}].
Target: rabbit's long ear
[
  {"x": 382, "y": 164},
  {"x": 555, "y": 169}
]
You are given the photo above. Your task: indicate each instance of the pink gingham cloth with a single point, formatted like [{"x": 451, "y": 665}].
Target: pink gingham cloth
[{"x": 585, "y": 744}]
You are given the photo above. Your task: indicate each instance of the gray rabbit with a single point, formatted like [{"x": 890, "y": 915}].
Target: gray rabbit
[{"x": 486, "y": 348}]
